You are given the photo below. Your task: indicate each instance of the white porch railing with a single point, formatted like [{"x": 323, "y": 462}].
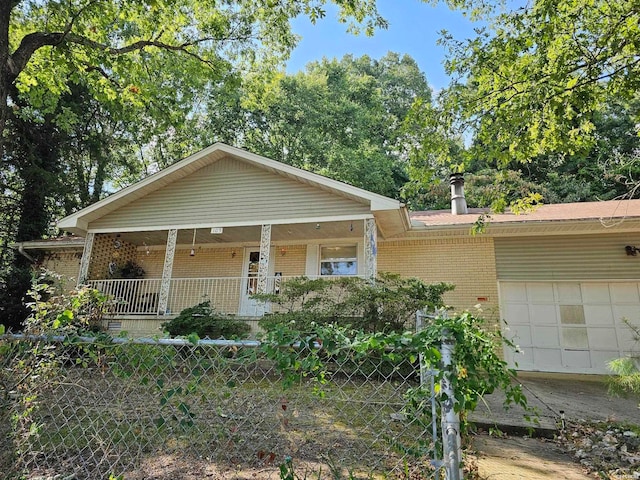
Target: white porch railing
[
  {"x": 230, "y": 295},
  {"x": 224, "y": 293},
  {"x": 130, "y": 296}
]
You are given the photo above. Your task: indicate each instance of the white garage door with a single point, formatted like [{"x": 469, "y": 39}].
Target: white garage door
[{"x": 569, "y": 326}]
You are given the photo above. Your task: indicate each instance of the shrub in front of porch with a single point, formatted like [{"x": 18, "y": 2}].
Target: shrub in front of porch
[
  {"x": 204, "y": 321},
  {"x": 388, "y": 305}
]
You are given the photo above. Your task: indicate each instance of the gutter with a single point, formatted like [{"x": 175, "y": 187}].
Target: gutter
[{"x": 23, "y": 253}]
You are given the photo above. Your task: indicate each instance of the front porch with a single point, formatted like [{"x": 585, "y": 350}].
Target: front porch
[
  {"x": 224, "y": 224},
  {"x": 223, "y": 265}
]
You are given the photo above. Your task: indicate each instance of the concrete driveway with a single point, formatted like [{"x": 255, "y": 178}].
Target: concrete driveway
[
  {"x": 554, "y": 396},
  {"x": 580, "y": 397}
]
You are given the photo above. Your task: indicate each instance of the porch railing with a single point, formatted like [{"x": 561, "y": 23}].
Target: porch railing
[
  {"x": 130, "y": 296},
  {"x": 230, "y": 295},
  {"x": 224, "y": 293}
]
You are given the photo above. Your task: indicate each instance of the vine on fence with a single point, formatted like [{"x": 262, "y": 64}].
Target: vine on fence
[
  {"x": 30, "y": 369},
  {"x": 477, "y": 368}
]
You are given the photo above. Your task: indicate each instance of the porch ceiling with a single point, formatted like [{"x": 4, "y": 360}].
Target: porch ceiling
[{"x": 293, "y": 233}]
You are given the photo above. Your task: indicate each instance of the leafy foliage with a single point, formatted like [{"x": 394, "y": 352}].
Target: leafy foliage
[
  {"x": 531, "y": 84},
  {"x": 31, "y": 368},
  {"x": 626, "y": 369},
  {"x": 340, "y": 118},
  {"x": 547, "y": 90},
  {"x": 54, "y": 312},
  {"x": 322, "y": 326},
  {"x": 476, "y": 368},
  {"x": 204, "y": 321},
  {"x": 388, "y": 305}
]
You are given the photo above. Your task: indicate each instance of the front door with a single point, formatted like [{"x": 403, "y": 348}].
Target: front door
[{"x": 248, "y": 306}]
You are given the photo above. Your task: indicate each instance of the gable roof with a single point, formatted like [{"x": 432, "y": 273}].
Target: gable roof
[{"x": 79, "y": 221}]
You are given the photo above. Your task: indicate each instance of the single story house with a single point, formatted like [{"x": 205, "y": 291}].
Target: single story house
[{"x": 224, "y": 223}]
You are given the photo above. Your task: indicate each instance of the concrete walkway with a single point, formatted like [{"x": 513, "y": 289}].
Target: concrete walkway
[
  {"x": 554, "y": 396},
  {"x": 579, "y": 397}
]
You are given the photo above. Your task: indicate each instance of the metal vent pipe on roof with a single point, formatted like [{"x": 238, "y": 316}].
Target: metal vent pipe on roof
[{"x": 458, "y": 202}]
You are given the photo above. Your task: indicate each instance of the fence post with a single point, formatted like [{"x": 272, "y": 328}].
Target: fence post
[
  {"x": 419, "y": 326},
  {"x": 427, "y": 380},
  {"x": 451, "y": 444}
]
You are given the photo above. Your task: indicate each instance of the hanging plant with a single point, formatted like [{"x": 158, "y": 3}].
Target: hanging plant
[{"x": 129, "y": 270}]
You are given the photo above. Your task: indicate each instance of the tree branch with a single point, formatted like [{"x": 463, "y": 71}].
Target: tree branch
[{"x": 32, "y": 42}]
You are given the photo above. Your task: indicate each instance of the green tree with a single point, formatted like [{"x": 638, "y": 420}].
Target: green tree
[
  {"x": 532, "y": 83},
  {"x": 127, "y": 49},
  {"x": 341, "y": 118}
]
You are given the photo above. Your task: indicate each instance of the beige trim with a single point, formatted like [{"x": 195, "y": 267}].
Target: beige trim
[
  {"x": 77, "y": 243},
  {"x": 252, "y": 223}
]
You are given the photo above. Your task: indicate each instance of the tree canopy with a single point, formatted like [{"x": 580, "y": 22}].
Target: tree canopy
[
  {"x": 531, "y": 84},
  {"x": 343, "y": 119},
  {"x": 548, "y": 89},
  {"x": 126, "y": 50}
]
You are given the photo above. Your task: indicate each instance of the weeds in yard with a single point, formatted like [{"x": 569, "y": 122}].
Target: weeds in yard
[{"x": 295, "y": 398}]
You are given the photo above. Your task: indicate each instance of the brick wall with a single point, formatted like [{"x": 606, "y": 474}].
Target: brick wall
[
  {"x": 290, "y": 260},
  {"x": 66, "y": 264},
  {"x": 207, "y": 262},
  {"x": 469, "y": 263},
  {"x": 220, "y": 262}
]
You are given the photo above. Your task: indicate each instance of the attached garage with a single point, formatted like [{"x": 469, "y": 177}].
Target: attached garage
[
  {"x": 564, "y": 300},
  {"x": 569, "y": 326}
]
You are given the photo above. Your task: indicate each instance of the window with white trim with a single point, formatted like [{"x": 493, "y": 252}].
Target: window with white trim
[{"x": 339, "y": 260}]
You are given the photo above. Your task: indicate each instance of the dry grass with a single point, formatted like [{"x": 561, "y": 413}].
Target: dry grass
[{"x": 225, "y": 418}]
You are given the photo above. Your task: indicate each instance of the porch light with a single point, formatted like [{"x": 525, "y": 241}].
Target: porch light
[
  {"x": 283, "y": 251},
  {"x": 192, "y": 253},
  {"x": 233, "y": 253}
]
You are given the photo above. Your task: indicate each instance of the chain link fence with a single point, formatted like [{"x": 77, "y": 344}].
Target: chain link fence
[{"x": 91, "y": 408}]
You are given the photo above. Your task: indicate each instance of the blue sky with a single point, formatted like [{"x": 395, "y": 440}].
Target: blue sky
[{"x": 414, "y": 29}]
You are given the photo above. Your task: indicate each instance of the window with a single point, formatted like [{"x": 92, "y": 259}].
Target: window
[{"x": 339, "y": 260}]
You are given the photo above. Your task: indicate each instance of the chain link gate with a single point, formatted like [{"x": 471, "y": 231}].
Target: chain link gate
[{"x": 173, "y": 409}]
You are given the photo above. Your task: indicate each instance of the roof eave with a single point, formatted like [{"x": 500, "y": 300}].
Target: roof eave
[{"x": 536, "y": 227}]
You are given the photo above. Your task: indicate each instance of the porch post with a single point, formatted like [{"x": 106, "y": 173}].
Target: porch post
[
  {"x": 166, "y": 271},
  {"x": 263, "y": 266},
  {"x": 86, "y": 258},
  {"x": 370, "y": 249}
]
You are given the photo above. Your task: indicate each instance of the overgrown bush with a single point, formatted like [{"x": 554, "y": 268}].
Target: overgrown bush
[
  {"x": 56, "y": 312},
  {"x": 203, "y": 321},
  {"x": 388, "y": 305},
  {"x": 626, "y": 369},
  {"x": 29, "y": 369}
]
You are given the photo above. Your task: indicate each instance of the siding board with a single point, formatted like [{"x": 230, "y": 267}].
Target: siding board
[
  {"x": 229, "y": 191},
  {"x": 566, "y": 258}
]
